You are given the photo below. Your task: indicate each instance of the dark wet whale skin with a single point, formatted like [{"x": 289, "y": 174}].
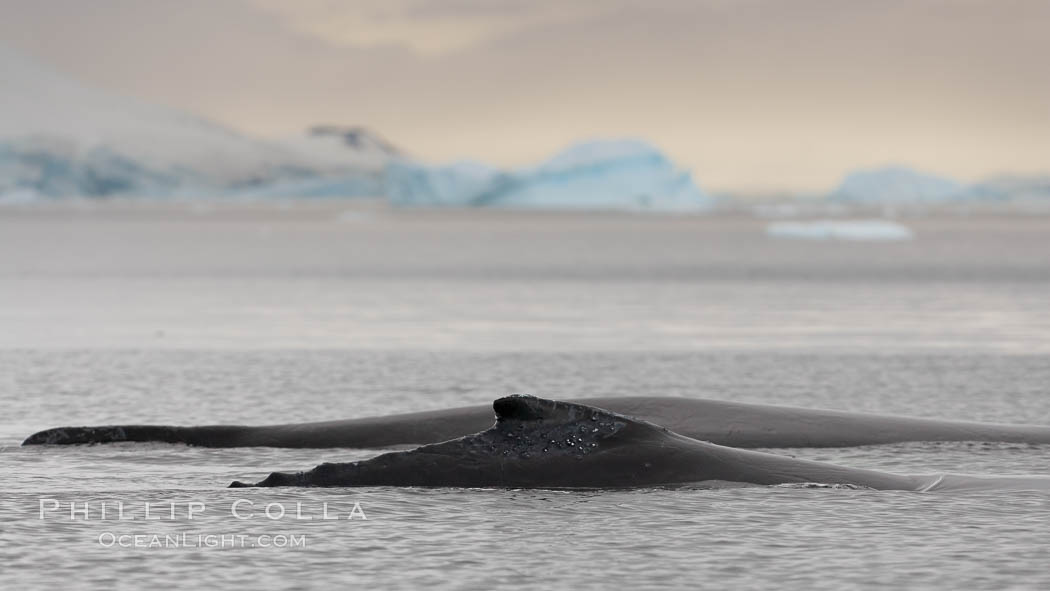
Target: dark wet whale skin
[
  {"x": 539, "y": 443},
  {"x": 725, "y": 423}
]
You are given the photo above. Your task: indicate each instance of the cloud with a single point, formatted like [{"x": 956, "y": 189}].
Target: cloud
[{"x": 427, "y": 27}]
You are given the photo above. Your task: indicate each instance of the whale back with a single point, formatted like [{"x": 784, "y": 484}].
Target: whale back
[
  {"x": 538, "y": 443},
  {"x": 534, "y": 443}
]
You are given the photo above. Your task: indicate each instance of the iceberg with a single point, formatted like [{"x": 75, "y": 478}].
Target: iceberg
[
  {"x": 597, "y": 175},
  {"x": 464, "y": 183},
  {"x": 896, "y": 185},
  {"x": 858, "y": 230}
]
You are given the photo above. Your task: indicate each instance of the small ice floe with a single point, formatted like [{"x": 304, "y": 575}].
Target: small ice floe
[{"x": 873, "y": 230}]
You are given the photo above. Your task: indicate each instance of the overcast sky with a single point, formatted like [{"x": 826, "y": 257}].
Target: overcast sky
[{"x": 749, "y": 94}]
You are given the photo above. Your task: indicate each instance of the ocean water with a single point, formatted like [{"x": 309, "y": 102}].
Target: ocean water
[{"x": 125, "y": 313}]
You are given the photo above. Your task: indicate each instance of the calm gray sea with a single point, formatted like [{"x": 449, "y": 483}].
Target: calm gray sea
[{"x": 259, "y": 313}]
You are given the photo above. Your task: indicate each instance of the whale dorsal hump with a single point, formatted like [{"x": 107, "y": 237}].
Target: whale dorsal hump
[{"x": 523, "y": 407}]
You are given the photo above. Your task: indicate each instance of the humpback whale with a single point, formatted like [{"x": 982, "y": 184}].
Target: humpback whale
[
  {"x": 732, "y": 424},
  {"x": 538, "y": 443}
]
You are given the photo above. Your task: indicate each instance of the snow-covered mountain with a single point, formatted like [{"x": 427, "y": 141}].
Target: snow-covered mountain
[
  {"x": 59, "y": 137},
  {"x": 613, "y": 174}
]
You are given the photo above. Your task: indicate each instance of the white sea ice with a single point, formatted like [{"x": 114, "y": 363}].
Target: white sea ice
[{"x": 859, "y": 230}]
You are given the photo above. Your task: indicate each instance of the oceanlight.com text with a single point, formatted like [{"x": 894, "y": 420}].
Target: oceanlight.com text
[{"x": 200, "y": 540}]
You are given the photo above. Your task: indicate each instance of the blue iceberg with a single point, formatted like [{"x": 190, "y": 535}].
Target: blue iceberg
[
  {"x": 598, "y": 175},
  {"x": 897, "y": 184},
  {"x": 459, "y": 184}
]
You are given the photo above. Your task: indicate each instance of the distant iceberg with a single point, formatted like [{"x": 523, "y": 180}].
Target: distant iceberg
[
  {"x": 859, "y": 230},
  {"x": 897, "y": 185},
  {"x": 1012, "y": 188},
  {"x": 464, "y": 183},
  {"x": 597, "y": 175}
]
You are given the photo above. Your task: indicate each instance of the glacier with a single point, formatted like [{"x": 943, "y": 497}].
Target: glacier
[
  {"x": 624, "y": 174},
  {"x": 54, "y": 167},
  {"x": 61, "y": 138}
]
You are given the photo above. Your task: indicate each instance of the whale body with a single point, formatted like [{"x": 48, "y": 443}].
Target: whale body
[
  {"x": 732, "y": 424},
  {"x": 538, "y": 443}
]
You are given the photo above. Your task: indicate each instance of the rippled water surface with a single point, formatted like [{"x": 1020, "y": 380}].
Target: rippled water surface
[{"x": 127, "y": 314}]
